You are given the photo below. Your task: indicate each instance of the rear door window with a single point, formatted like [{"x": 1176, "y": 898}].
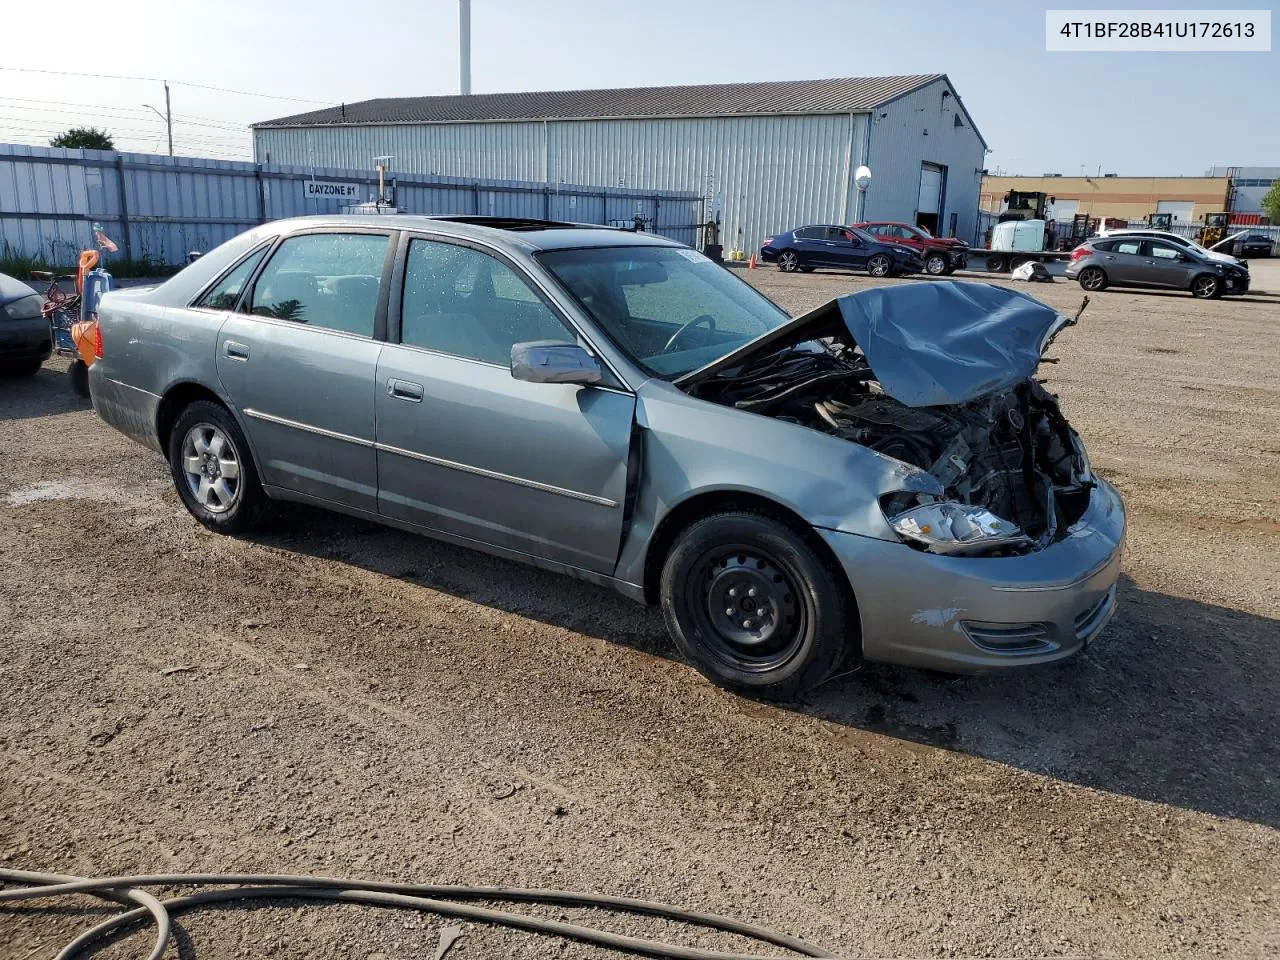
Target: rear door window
[{"x": 328, "y": 280}]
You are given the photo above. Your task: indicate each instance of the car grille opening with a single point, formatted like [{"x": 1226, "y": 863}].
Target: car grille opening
[
  {"x": 1090, "y": 621},
  {"x": 1009, "y": 637}
]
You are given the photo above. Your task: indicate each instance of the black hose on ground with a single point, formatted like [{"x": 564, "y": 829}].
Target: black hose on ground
[{"x": 442, "y": 899}]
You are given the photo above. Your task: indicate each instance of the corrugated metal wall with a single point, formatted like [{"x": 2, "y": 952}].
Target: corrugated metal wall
[
  {"x": 771, "y": 172},
  {"x": 899, "y": 146},
  {"x": 159, "y": 208}
]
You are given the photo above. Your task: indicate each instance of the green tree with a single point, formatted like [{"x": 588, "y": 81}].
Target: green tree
[
  {"x": 1271, "y": 202},
  {"x": 84, "y": 138}
]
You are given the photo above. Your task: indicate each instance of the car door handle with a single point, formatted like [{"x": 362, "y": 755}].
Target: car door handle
[
  {"x": 1108, "y": 258},
  {"x": 236, "y": 351},
  {"x": 405, "y": 390}
]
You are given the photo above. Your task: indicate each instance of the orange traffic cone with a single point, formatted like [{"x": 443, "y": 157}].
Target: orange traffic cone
[{"x": 751, "y": 264}]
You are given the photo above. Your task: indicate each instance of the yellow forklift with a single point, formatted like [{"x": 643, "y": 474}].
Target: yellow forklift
[{"x": 1214, "y": 229}]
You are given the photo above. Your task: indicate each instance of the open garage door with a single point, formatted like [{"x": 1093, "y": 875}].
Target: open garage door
[{"x": 929, "y": 206}]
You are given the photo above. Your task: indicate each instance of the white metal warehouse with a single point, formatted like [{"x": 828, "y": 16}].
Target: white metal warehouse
[{"x": 774, "y": 155}]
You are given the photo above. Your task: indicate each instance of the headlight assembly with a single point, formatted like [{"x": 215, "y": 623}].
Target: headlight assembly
[{"x": 957, "y": 528}]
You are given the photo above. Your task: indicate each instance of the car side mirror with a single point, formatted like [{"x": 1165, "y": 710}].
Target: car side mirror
[{"x": 551, "y": 361}]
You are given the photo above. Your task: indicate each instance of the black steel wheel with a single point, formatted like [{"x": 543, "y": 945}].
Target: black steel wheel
[
  {"x": 754, "y": 606},
  {"x": 1093, "y": 279},
  {"x": 1206, "y": 287},
  {"x": 788, "y": 261},
  {"x": 935, "y": 264},
  {"x": 881, "y": 265},
  {"x": 996, "y": 264}
]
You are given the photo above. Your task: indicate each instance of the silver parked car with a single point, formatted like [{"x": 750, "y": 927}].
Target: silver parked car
[
  {"x": 880, "y": 477},
  {"x": 1130, "y": 260}
]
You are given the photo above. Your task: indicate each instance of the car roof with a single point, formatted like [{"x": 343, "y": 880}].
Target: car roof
[{"x": 527, "y": 233}]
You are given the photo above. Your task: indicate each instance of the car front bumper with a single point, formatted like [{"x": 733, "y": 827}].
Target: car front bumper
[
  {"x": 959, "y": 258},
  {"x": 978, "y": 614},
  {"x": 24, "y": 340}
]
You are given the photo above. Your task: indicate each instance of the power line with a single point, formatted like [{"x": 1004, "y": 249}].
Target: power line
[
  {"x": 179, "y": 83},
  {"x": 123, "y": 112},
  {"x": 187, "y": 117}
]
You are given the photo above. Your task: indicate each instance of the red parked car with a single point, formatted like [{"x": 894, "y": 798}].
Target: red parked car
[{"x": 941, "y": 255}]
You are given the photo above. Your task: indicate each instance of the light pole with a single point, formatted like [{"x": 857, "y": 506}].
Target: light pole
[
  {"x": 167, "y": 116},
  {"x": 862, "y": 180}
]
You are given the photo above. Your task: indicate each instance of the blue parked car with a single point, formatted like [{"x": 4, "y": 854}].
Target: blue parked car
[{"x": 845, "y": 248}]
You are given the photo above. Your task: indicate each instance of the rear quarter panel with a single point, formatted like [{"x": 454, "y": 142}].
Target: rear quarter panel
[{"x": 148, "y": 348}]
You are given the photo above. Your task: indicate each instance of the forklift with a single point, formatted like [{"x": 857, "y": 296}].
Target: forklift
[
  {"x": 1160, "y": 221},
  {"x": 1022, "y": 205},
  {"x": 1214, "y": 229}
]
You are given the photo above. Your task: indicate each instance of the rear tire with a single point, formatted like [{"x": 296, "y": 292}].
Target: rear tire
[
  {"x": 996, "y": 264},
  {"x": 21, "y": 368},
  {"x": 879, "y": 266},
  {"x": 1092, "y": 279},
  {"x": 78, "y": 374},
  {"x": 1206, "y": 287},
  {"x": 754, "y": 606},
  {"x": 788, "y": 261},
  {"x": 213, "y": 470}
]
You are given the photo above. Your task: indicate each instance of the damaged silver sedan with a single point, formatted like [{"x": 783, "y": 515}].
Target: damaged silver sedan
[{"x": 882, "y": 477}]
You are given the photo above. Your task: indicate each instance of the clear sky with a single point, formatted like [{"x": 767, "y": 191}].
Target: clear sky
[{"x": 1132, "y": 114}]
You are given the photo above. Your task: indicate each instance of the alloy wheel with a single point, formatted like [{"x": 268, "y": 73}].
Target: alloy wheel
[
  {"x": 788, "y": 262},
  {"x": 879, "y": 266},
  {"x": 211, "y": 465},
  {"x": 1092, "y": 279},
  {"x": 936, "y": 265},
  {"x": 1204, "y": 287}
]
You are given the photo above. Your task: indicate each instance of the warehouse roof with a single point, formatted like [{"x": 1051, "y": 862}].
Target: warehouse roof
[{"x": 840, "y": 95}]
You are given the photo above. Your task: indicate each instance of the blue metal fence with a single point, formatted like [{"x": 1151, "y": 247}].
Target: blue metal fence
[{"x": 158, "y": 208}]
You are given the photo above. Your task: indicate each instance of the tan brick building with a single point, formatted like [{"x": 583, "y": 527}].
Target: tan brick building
[{"x": 1129, "y": 198}]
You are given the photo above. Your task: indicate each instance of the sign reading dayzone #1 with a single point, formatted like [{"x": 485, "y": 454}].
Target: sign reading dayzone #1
[{"x": 330, "y": 190}]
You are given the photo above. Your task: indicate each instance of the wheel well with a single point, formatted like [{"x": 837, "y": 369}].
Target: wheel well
[
  {"x": 179, "y": 397},
  {"x": 701, "y": 505}
]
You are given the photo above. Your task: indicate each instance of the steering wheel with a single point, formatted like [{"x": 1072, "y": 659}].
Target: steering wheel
[{"x": 706, "y": 318}]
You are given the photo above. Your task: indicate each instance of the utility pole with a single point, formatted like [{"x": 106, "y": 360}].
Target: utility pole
[
  {"x": 167, "y": 116},
  {"x": 464, "y": 47}
]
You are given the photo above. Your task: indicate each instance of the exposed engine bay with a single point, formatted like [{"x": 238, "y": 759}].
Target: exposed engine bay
[{"x": 1010, "y": 453}]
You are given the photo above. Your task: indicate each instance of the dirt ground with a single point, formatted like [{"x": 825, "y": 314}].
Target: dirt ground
[{"x": 332, "y": 697}]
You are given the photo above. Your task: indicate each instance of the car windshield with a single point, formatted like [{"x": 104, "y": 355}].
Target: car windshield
[
  {"x": 921, "y": 232},
  {"x": 670, "y": 309}
]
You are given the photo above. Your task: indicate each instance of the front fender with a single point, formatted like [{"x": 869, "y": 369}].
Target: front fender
[{"x": 692, "y": 447}]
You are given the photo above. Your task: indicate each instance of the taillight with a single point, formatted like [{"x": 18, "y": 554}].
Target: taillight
[
  {"x": 97, "y": 341},
  {"x": 1081, "y": 251}
]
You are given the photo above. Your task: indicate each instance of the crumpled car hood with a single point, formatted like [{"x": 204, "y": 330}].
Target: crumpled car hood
[{"x": 929, "y": 343}]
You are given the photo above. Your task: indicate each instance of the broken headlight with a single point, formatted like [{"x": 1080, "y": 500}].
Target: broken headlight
[{"x": 957, "y": 528}]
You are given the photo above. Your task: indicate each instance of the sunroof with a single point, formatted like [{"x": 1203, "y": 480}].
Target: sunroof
[{"x": 512, "y": 223}]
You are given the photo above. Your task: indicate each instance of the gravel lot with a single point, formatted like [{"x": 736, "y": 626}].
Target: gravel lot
[{"x": 332, "y": 697}]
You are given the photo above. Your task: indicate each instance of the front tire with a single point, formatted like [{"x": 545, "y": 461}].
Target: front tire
[
  {"x": 213, "y": 471},
  {"x": 935, "y": 265},
  {"x": 879, "y": 266},
  {"x": 1092, "y": 279},
  {"x": 1205, "y": 287},
  {"x": 756, "y": 609},
  {"x": 788, "y": 261}
]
